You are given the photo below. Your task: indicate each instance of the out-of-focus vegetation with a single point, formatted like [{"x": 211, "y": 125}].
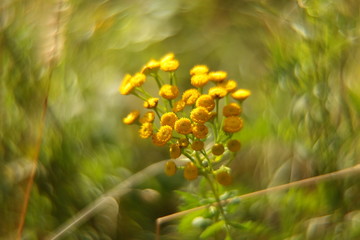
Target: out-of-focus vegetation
[{"x": 65, "y": 59}]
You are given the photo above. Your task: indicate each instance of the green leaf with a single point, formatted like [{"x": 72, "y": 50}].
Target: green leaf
[
  {"x": 212, "y": 229},
  {"x": 189, "y": 200},
  {"x": 237, "y": 225}
]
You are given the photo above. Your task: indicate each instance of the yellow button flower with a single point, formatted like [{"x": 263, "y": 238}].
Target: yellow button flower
[
  {"x": 170, "y": 168},
  {"x": 223, "y": 177},
  {"x": 199, "y": 130},
  {"x": 234, "y": 145},
  {"x": 151, "y": 103},
  {"x": 218, "y": 149},
  {"x": 164, "y": 134},
  {"x": 183, "y": 126},
  {"x": 151, "y": 66},
  {"x": 126, "y": 87},
  {"x": 169, "y": 91},
  {"x": 191, "y": 172},
  {"x": 212, "y": 115},
  {"x": 190, "y": 96},
  {"x": 179, "y": 106},
  {"x": 197, "y": 145},
  {"x": 169, "y": 65},
  {"x": 205, "y": 101},
  {"x": 199, "y": 115},
  {"x": 229, "y": 85},
  {"x": 183, "y": 142},
  {"x": 168, "y": 119},
  {"x": 217, "y": 92},
  {"x": 241, "y": 94},
  {"x": 232, "y": 124},
  {"x": 199, "y": 80},
  {"x": 131, "y": 117},
  {"x": 138, "y": 79},
  {"x": 232, "y": 109},
  {"x": 156, "y": 141},
  {"x": 146, "y": 130},
  {"x": 175, "y": 151},
  {"x": 148, "y": 117},
  {"x": 217, "y": 76},
  {"x": 199, "y": 69},
  {"x": 167, "y": 57}
]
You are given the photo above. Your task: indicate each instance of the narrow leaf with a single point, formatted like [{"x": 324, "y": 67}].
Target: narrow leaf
[{"x": 212, "y": 229}]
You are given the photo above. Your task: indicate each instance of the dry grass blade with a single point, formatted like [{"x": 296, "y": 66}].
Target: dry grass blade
[
  {"x": 118, "y": 191},
  {"x": 329, "y": 176}
]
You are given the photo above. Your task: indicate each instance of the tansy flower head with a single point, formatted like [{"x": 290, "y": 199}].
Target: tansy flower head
[
  {"x": 168, "y": 119},
  {"x": 170, "y": 168},
  {"x": 232, "y": 109},
  {"x": 217, "y": 76},
  {"x": 233, "y": 145},
  {"x": 167, "y": 57},
  {"x": 183, "y": 126},
  {"x": 199, "y": 69},
  {"x": 199, "y": 80},
  {"x": 169, "y": 91},
  {"x": 175, "y": 151},
  {"x": 241, "y": 94},
  {"x": 199, "y": 115},
  {"x": 156, "y": 141},
  {"x": 151, "y": 103},
  {"x": 199, "y": 130},
  {"x": 205, "y": 101},
  {"x": 183, "y": 142},
  {"x": 197, "y": 145},
  {"x": 212, "y": 115},
  {"x": 218, "y": 149},
  {"x": 232, "y": 124},
  {"x": 138, "y": 79},
  {"x": 229, "y": 85},
  {"x": 164, "y": 134},
  {"x": 126, "y": 87},
  {"x": 151, "y": 66},
  {"x": 191, "y": 172},
  {"x": 148, "y": 117},
  {"x": 217, "y": 92},
  {"x": 179, "y": 106},
  {"x": 223, "y": 176},
  {"x": 146, "y": 130},
  {"x": 169, "y": 65},
  {"x": 131, "y": 117},
  {"x": 190, "y": 96}
]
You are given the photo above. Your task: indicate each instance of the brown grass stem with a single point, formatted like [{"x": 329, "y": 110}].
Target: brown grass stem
[
  {"x": 35, "y": 160},
  {"x": 301, "y": 183}
]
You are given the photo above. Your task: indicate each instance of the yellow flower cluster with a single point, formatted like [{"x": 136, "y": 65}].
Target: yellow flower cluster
[{"x": 198, "y": 123}]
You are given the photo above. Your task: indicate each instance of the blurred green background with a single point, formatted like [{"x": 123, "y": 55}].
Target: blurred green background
[{"x": 298, "y": 58}]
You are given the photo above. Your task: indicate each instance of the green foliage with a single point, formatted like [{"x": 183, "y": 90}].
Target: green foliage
[{"x": 65, "y": 59}]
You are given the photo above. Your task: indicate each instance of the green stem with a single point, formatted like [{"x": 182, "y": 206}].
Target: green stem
[
  {"x": 171, "y": 105},
  {"x": 139, "y": 96},
  {"x": 188, "y": 156},
  {"x": 173, "y": 79},
  {"x": 217, "y": 198},
  {"x": 140, "y": 89},
  {"x": 157, "y": 113},
  {"x": 157, "y": 79}
]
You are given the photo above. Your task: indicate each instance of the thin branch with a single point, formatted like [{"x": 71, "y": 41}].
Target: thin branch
[{"x": 301, "y": 183}]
